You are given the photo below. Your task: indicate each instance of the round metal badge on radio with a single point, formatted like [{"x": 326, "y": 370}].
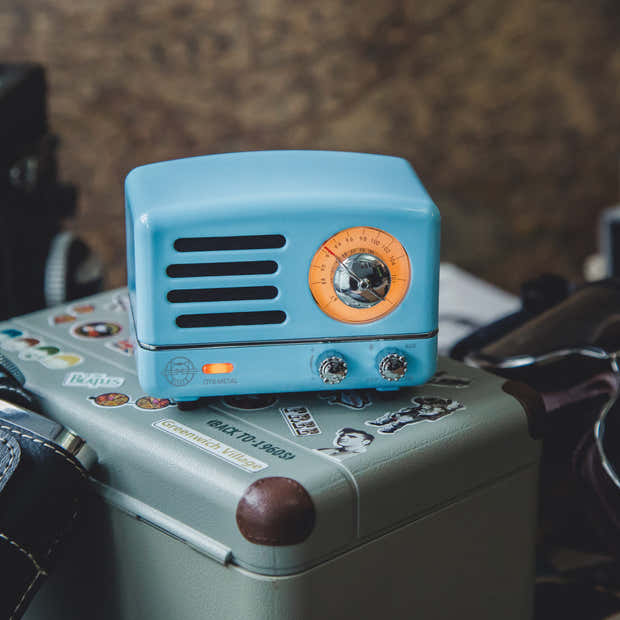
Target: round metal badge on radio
[
  {"x": 393, "y": 366},
  {"x": 332, "y": 369}
]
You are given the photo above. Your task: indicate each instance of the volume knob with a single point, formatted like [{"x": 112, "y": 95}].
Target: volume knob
[
  {"x": 332, "y": 368},
  {"x": 393, "y": 366}
]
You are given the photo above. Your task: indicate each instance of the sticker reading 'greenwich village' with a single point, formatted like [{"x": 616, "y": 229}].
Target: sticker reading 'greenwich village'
[
  {"x": 252, "y": 440},
  {"x": 300, "y": 421},
  {"x": 351, "y": 399},
  {"x": 348, "y": 442},
  {"x": 423, "y": 409},
  {"x": 443, "y": 379},
  {"x": 92, "y": 380},
  {"x": 212, "y": 446},
  {"x": 118, "y": 399}
]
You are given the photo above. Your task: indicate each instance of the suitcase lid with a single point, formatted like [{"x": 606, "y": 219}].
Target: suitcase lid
[{"x": 273, "y": 483}]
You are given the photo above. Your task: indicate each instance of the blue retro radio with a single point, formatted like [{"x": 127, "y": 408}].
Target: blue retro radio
[{"x": 281, "y": 271}]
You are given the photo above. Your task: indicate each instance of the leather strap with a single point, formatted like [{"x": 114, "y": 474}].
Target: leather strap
[{"x": 42, "y": 490}]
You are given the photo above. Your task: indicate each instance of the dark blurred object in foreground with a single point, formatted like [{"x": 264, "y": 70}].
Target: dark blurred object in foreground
[{"x": 39, "y": 264}]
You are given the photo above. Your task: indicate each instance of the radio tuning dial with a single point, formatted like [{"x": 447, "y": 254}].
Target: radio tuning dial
[
  {"x": 359, "y": 275},
  {"x": 332, "y": 369},
  {"x": 393, "y": 366}
]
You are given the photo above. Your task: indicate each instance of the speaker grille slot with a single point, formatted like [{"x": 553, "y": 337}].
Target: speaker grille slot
[
  {"x": 246, "y": 268},
  {"x": 212, "y": 244},
  {"x": 238, "y": 293},
  {"x": 229, "y": 319}
]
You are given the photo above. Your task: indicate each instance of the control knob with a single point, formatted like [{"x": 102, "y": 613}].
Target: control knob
[
  {"x": 393, "y": 366},
  {"x": 332, "y": 368}
]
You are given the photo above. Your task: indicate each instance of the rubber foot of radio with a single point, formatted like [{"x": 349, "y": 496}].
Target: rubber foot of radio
[{"x": 188, "y": 405}]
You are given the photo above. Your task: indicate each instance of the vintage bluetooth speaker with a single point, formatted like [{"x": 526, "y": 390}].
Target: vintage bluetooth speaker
[{"x": 281, "y": 271}]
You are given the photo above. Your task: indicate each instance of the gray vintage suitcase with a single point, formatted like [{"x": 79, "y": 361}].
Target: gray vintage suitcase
[{"x": 419, "y": 502}]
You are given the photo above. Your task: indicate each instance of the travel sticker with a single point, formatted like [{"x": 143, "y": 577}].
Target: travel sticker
[
  {"x": 125, "y": 347},
  {"x": 38, "y": 354},
  {"x": 348, "y": 442},
  {"x": 8, "y": 333},
  {"x": 424, "y": 408},
  {"x": 211, "y": 445},
  {"x": 443, "y": 379},
  {"x": 96, "y": 329},
  {"x": 92, "y": 380},
  {"x": 249, "y": 402},
  {"x": 118, "y": 399},
  {"x": 250, "y": 439},
  {"x": 19, "y": 344},
  {"x": 62, "y": 360},
  {"x": 62, "y": 319},
  {"x": 300, "y": 421},
  {"x": 152, "y": 403},
  {"x": 120, "y": 303},
  {"x": 72, "y": 314},
  {"x": 82, "y": 308},
  {"x": 352, "y": 399}
]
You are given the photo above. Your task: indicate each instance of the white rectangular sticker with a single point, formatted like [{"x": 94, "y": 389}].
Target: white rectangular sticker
[
  {"x": 213, "y": 446},
  {"x": 300, "y": 421}
]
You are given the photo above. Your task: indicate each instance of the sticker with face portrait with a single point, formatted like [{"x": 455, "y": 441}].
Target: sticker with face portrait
[
  {"x": 347, "y": 443},
  {"x": 423, "y": 408},
  {"x": 443, "y": 379},
  {"x": 110, "y": 399},
  {"x": 96, "y": 330},
  {"x": 351, "y": 399}
]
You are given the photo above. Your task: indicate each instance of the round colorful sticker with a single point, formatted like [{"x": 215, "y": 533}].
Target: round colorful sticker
[
  {"x": 62, "y": 360},
  {"x": 19, "y": 344},
  {"x": 7, "y": 334},
  {"x": 82, "y": 308},
  {"x": 96, "y": 329},
  {"x": 38, "y": 354},
  {"x": 61, "y": 319},
  {"x": 150, "y": 402},
  {"x": 111, "y": 399}
]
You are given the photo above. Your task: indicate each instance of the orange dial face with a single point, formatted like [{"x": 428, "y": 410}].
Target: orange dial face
[{"x": 359, "y": 275}]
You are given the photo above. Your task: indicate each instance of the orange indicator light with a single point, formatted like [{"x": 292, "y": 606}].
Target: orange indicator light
[{"x": 219, "y": 368}]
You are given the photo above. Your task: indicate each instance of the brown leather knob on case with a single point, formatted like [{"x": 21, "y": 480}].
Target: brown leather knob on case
[{"x": 276, "y": 511}]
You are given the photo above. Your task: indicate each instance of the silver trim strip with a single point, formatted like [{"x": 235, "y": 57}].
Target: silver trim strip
[
  {"x": 168, "y": 525},
  {"x": 265, "y": 343}
]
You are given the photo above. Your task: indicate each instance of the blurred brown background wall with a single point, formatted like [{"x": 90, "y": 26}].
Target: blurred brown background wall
[{"x": 509, "y": 111}]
